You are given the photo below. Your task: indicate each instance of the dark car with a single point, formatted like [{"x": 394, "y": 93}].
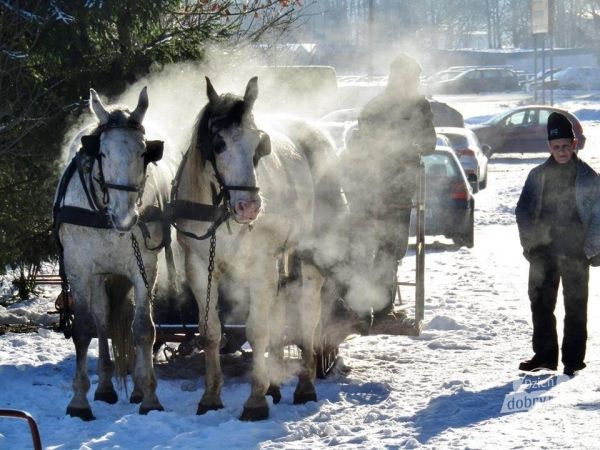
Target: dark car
[
  {"x": 523, "y": 130},
  {"x": 476, "y": 80},
  {"x": 445, "y": 116},
  {"x": 449, "y": 202}
]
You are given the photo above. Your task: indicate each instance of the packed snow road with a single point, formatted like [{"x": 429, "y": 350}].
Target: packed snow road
[{"x": 443, "y": 389}]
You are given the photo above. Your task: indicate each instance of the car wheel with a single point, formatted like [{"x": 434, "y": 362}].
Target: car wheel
[
  {"x": 467, "y": 237},
  {"x": 483, "y": 183}
]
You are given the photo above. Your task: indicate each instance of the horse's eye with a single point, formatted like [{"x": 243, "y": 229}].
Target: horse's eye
[{"x": 219, "y": 145}]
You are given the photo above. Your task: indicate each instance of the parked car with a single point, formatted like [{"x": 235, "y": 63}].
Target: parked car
[
  {"x": 449, "y": 202},
  {"x": 522, "y": 130},
  {"x": 584, "y": 77},
  {"x": 471, "y": 154},
  {"x": 445, "y": 116},
  {"x": 444, "y": 75},
  {"x": 342, "y": 122},
  {"x": 476, "y": 80},
  {"x": 537, "y": 80}
]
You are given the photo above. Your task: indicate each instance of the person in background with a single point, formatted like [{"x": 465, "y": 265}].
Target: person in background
[
  {"x": 558, "y": 216},
  {"x": 380, "y": 168}
]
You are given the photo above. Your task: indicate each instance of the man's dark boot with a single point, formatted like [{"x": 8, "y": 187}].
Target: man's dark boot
[
  {"x": 535, "y": 363},
  {"x": 570, "y": 369}
]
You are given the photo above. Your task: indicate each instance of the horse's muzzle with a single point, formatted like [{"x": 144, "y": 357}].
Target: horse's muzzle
[
  {"x": 246, "y": 211},
  {"x": 124, "y": 227}
]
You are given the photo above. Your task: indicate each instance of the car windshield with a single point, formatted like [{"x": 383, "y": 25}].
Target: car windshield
[
  {"x": 457, "y": 140},
  {"x": 440, "y": 165}
]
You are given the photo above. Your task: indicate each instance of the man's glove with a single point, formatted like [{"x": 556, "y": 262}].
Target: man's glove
[{"x": 595, "y": 261}]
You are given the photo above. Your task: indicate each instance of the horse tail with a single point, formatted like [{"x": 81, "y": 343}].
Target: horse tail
[{"x": 120, "y": 297}]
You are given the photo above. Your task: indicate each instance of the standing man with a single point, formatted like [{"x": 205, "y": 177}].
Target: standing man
[
  {"x": 380, "y": 169},
  {"x": 559, "y": 227}
]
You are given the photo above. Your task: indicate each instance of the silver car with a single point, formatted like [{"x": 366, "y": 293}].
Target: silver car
[{"x": 471, "y": 154}]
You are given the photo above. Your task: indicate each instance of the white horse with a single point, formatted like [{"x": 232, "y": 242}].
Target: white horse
[
  {"x": 225, "y": 226},
  {"x": 108, "y": 224}
]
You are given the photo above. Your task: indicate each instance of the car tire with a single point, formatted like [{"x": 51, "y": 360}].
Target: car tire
[
  {"x": 467, "y": 237},
  {"x": 483, "y": 183}
]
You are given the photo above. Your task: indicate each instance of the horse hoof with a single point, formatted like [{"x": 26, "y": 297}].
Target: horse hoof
[
  {"x": 145, "y": 409},
  {"x": 84, "y": 414},
  {"x": 203, "y": 409},
  {"x": 254, "y": 414},
  {"x": 275, "y": 393},
  {"x": 109, "y": 397},
  {"x": 136, "y": 398},
  {"x": 304, "y": 397}
]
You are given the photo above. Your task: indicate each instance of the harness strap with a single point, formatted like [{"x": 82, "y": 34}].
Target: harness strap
[
  {"x": 118, "y": 187},
  {"x": 185, "y": 209},
  {"x": 211, "y": 230},
  {"x": 155, "y": 214},
  {"x": 217, "y": 213},
  {"x": 241, "y": 188},
  {"x": 83, "y": 217}
]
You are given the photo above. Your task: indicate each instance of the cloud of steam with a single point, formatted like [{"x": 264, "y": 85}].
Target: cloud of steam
[{"x": 177, "y": 94}]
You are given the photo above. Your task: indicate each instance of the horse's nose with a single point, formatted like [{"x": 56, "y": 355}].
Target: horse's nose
[
  {"x": 126, "y": 224},
  {"x": 247, "y": 209}
]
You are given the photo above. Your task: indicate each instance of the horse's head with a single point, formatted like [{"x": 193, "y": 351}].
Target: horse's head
[
  {"x": 229, "y": 139},
  {"x": 121, "y": 152}
]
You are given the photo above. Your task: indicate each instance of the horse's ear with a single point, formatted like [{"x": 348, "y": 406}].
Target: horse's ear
[
  {"x": 251, "y": 92},
  {"x": 210, "y": 92},
  {"x": 140, "y": 110},
  {"x": 98, "y": 108}
]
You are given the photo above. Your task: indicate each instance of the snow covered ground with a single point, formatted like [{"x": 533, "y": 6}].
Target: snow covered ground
[{"x": 443, "y": 389}]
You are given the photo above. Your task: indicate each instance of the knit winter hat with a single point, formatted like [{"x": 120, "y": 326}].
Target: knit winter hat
[
  {"x": 559, "y": 127},
  {"x": 405, "y": 66}
]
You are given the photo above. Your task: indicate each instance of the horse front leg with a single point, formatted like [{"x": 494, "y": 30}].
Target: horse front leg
[
  {"x": 100, "y": 309},
  {"x": 310, "y": 313},
  {"x": 144, "y": 335},
  {"x": 209, "y": 327},
  {"x": 285, "y": 305},
  {"x": 83, "y": 328},
  {"x": 263, "y": 289},
  {"x": 276, "y": 349}
]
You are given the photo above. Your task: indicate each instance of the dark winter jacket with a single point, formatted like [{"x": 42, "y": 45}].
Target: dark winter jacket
[
  {"x": 532, "y": 232},
  {"x": 403, "y": 126},
  {"x": 381, "y": 160}
]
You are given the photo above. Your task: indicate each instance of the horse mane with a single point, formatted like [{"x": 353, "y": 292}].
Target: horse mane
[{"x": 231, "y": 109}]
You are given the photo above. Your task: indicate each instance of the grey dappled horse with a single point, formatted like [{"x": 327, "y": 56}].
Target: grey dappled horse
[
  {"x": 219, "y": 210},
  {"x": 112, "y": 194}
]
